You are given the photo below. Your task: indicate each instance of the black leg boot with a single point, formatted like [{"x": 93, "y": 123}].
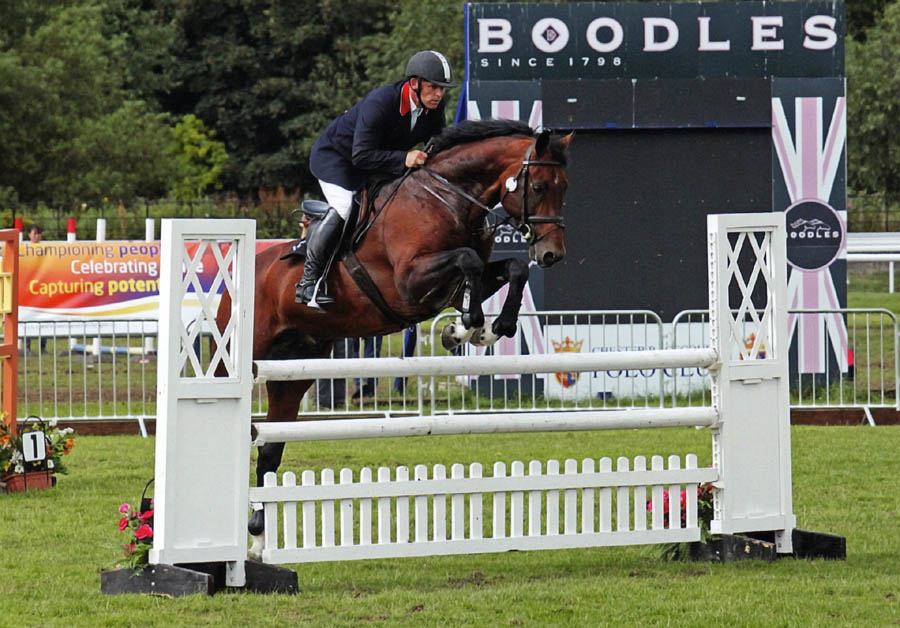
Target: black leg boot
[{"x": 319, "y": 248}]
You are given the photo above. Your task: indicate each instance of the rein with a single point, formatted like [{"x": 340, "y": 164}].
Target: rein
[
  {"x": 456, "y": 189},
  {"x": 360, "y": 233},
  {"x": 526, "y": 220}
]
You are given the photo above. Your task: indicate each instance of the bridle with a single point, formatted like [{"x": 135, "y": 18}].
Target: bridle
[{"x": 526, "y": 218}]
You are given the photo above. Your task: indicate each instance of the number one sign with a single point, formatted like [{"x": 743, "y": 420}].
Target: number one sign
[{"x": 34, "y": 446}]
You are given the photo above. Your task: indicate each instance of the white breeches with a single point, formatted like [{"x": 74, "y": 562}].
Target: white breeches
[{"x": 337, "y": 197}]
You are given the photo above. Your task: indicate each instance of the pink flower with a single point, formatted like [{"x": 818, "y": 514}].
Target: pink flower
[
  {"x": 147, "y": 515},
  {"x": 124, "y": 508},
  {"x": 123, "y": 523},
  {"x": 143, "y": 532}
]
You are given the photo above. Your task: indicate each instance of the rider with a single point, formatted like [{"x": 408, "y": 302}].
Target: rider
[{"x": 375, "y": 136}]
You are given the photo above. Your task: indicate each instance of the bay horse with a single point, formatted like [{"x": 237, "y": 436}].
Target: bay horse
[{"x": 427, "y": 248}]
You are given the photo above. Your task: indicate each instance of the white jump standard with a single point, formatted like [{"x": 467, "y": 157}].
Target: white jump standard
[{"x": 204, "y": 433}]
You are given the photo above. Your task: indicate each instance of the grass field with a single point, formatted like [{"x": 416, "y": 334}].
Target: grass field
[{"x": 53, "y": 545}]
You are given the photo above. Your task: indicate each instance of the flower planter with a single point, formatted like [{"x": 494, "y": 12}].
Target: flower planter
[{"x": 33, "y": 480}]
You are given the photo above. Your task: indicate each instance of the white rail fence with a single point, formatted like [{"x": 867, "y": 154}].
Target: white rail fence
[
  {"x": 875, "y": 247},
  {"x": 85, "y": 370},
  {"x": 91, "y": 371}
]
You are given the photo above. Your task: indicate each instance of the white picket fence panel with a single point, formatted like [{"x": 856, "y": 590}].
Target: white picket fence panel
[{"x": 389, "y": 513}]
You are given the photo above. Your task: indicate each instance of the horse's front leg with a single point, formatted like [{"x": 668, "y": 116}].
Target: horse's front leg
[{"x": 515, "y": 272}]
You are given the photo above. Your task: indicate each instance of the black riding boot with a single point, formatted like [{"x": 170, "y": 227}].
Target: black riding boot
[{"x": 319, "y": 247}]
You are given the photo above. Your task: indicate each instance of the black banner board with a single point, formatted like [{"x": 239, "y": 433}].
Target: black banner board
[{"x": 613, "y": 40}]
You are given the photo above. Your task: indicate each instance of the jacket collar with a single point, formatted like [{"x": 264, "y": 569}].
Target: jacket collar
[{"x": 405, "y": 99}]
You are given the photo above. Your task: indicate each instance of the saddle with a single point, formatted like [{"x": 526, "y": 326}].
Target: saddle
[
  {"x": 357, "y": 224},
  {"x": 362, "y": 214}
]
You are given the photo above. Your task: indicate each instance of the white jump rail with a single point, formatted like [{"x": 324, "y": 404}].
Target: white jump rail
[
  {"x": 875, "y": 247},
  {"x": 204, "y": 433}
]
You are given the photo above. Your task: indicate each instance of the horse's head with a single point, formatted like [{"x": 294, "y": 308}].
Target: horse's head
[{"x": 534, "y": 196}]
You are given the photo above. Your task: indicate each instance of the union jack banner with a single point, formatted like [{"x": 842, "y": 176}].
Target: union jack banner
[
  {"x": 810, "y": 159},
  {"x": 510, "y": 110}
]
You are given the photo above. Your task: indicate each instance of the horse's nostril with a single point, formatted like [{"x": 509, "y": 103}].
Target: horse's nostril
[{"x": 549, "y": 258}]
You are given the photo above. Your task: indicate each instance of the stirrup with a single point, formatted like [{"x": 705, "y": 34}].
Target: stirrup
[{"x": 317, "y": 301}]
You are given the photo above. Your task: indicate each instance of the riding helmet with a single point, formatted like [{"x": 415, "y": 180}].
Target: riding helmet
[{"x": 431, "y": 66}]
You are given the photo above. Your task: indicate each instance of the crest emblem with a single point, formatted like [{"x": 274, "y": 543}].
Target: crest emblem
[
  {"x": 567, "y": 380},
  {"x": 748, "y": 345}
]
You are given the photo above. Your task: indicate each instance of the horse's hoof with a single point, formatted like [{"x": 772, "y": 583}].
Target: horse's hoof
[
  {"x": 449, "y": 339},
  {"x": 484, "y": 337},
  {"x": 257, "y": 523},
  {"x": 256, "y": 548}
]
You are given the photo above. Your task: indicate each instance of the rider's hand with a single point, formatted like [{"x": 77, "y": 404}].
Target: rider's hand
[{"x": 415, "y": 158}]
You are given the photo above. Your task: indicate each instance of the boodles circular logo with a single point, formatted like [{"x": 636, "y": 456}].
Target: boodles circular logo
[
  {"x": 550, "y": 34},
  {"x": 815, "y": 234}
]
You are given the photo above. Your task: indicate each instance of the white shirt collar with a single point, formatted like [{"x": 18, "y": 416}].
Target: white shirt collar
[{"x": 414, "y": 111}]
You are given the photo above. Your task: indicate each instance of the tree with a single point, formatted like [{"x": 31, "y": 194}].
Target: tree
[
  {"x": 70, "y": 132},
  {"x": 200, "y": 158},
  {"x": 862, "y": 15},
  {"x": 873, "y": 107},
  {"x": 418, "y": 25},
  {"x": 240, "y": 67}
]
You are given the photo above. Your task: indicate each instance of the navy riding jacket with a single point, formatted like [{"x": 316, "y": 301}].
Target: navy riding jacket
[{"x": 373, "y": 137}]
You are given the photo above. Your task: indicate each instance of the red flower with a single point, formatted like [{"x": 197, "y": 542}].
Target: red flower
[
  {"x": 123, "y": 523},
  {"x": 143, "y": 532},
  {"x": 146, "y": 516}
]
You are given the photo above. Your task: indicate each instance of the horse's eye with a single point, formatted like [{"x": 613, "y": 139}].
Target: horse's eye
[{"x": 538, "y": 187}]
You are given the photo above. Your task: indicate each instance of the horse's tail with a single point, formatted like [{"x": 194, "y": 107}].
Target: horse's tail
[{"x": 222, "y": 316}]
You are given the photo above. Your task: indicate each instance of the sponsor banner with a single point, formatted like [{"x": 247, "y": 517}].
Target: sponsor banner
[
  {"x": 614, "y": 40},
  {"x": 65, "y": 281},
  {"x": 624, "y": 384},
  {"x": 809, "y": 183}
]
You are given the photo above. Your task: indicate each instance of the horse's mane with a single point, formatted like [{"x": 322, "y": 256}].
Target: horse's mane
[{"x": 475, "y": 130}]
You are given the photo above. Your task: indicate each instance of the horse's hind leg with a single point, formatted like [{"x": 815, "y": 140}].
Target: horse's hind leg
[{"x": 284, "y": 402}]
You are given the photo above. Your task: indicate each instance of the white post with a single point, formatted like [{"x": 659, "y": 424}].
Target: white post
[
  {"x": 96, "y": 343},
  {"x": 149, "y": 236},
  {"x": 203, "y": 420},
  {"x": 748, "y": 328}
]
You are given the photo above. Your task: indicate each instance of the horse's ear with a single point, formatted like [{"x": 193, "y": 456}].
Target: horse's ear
[
  {"x": 567, "y": 140},
  {"x": 543, "y": 141}
]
